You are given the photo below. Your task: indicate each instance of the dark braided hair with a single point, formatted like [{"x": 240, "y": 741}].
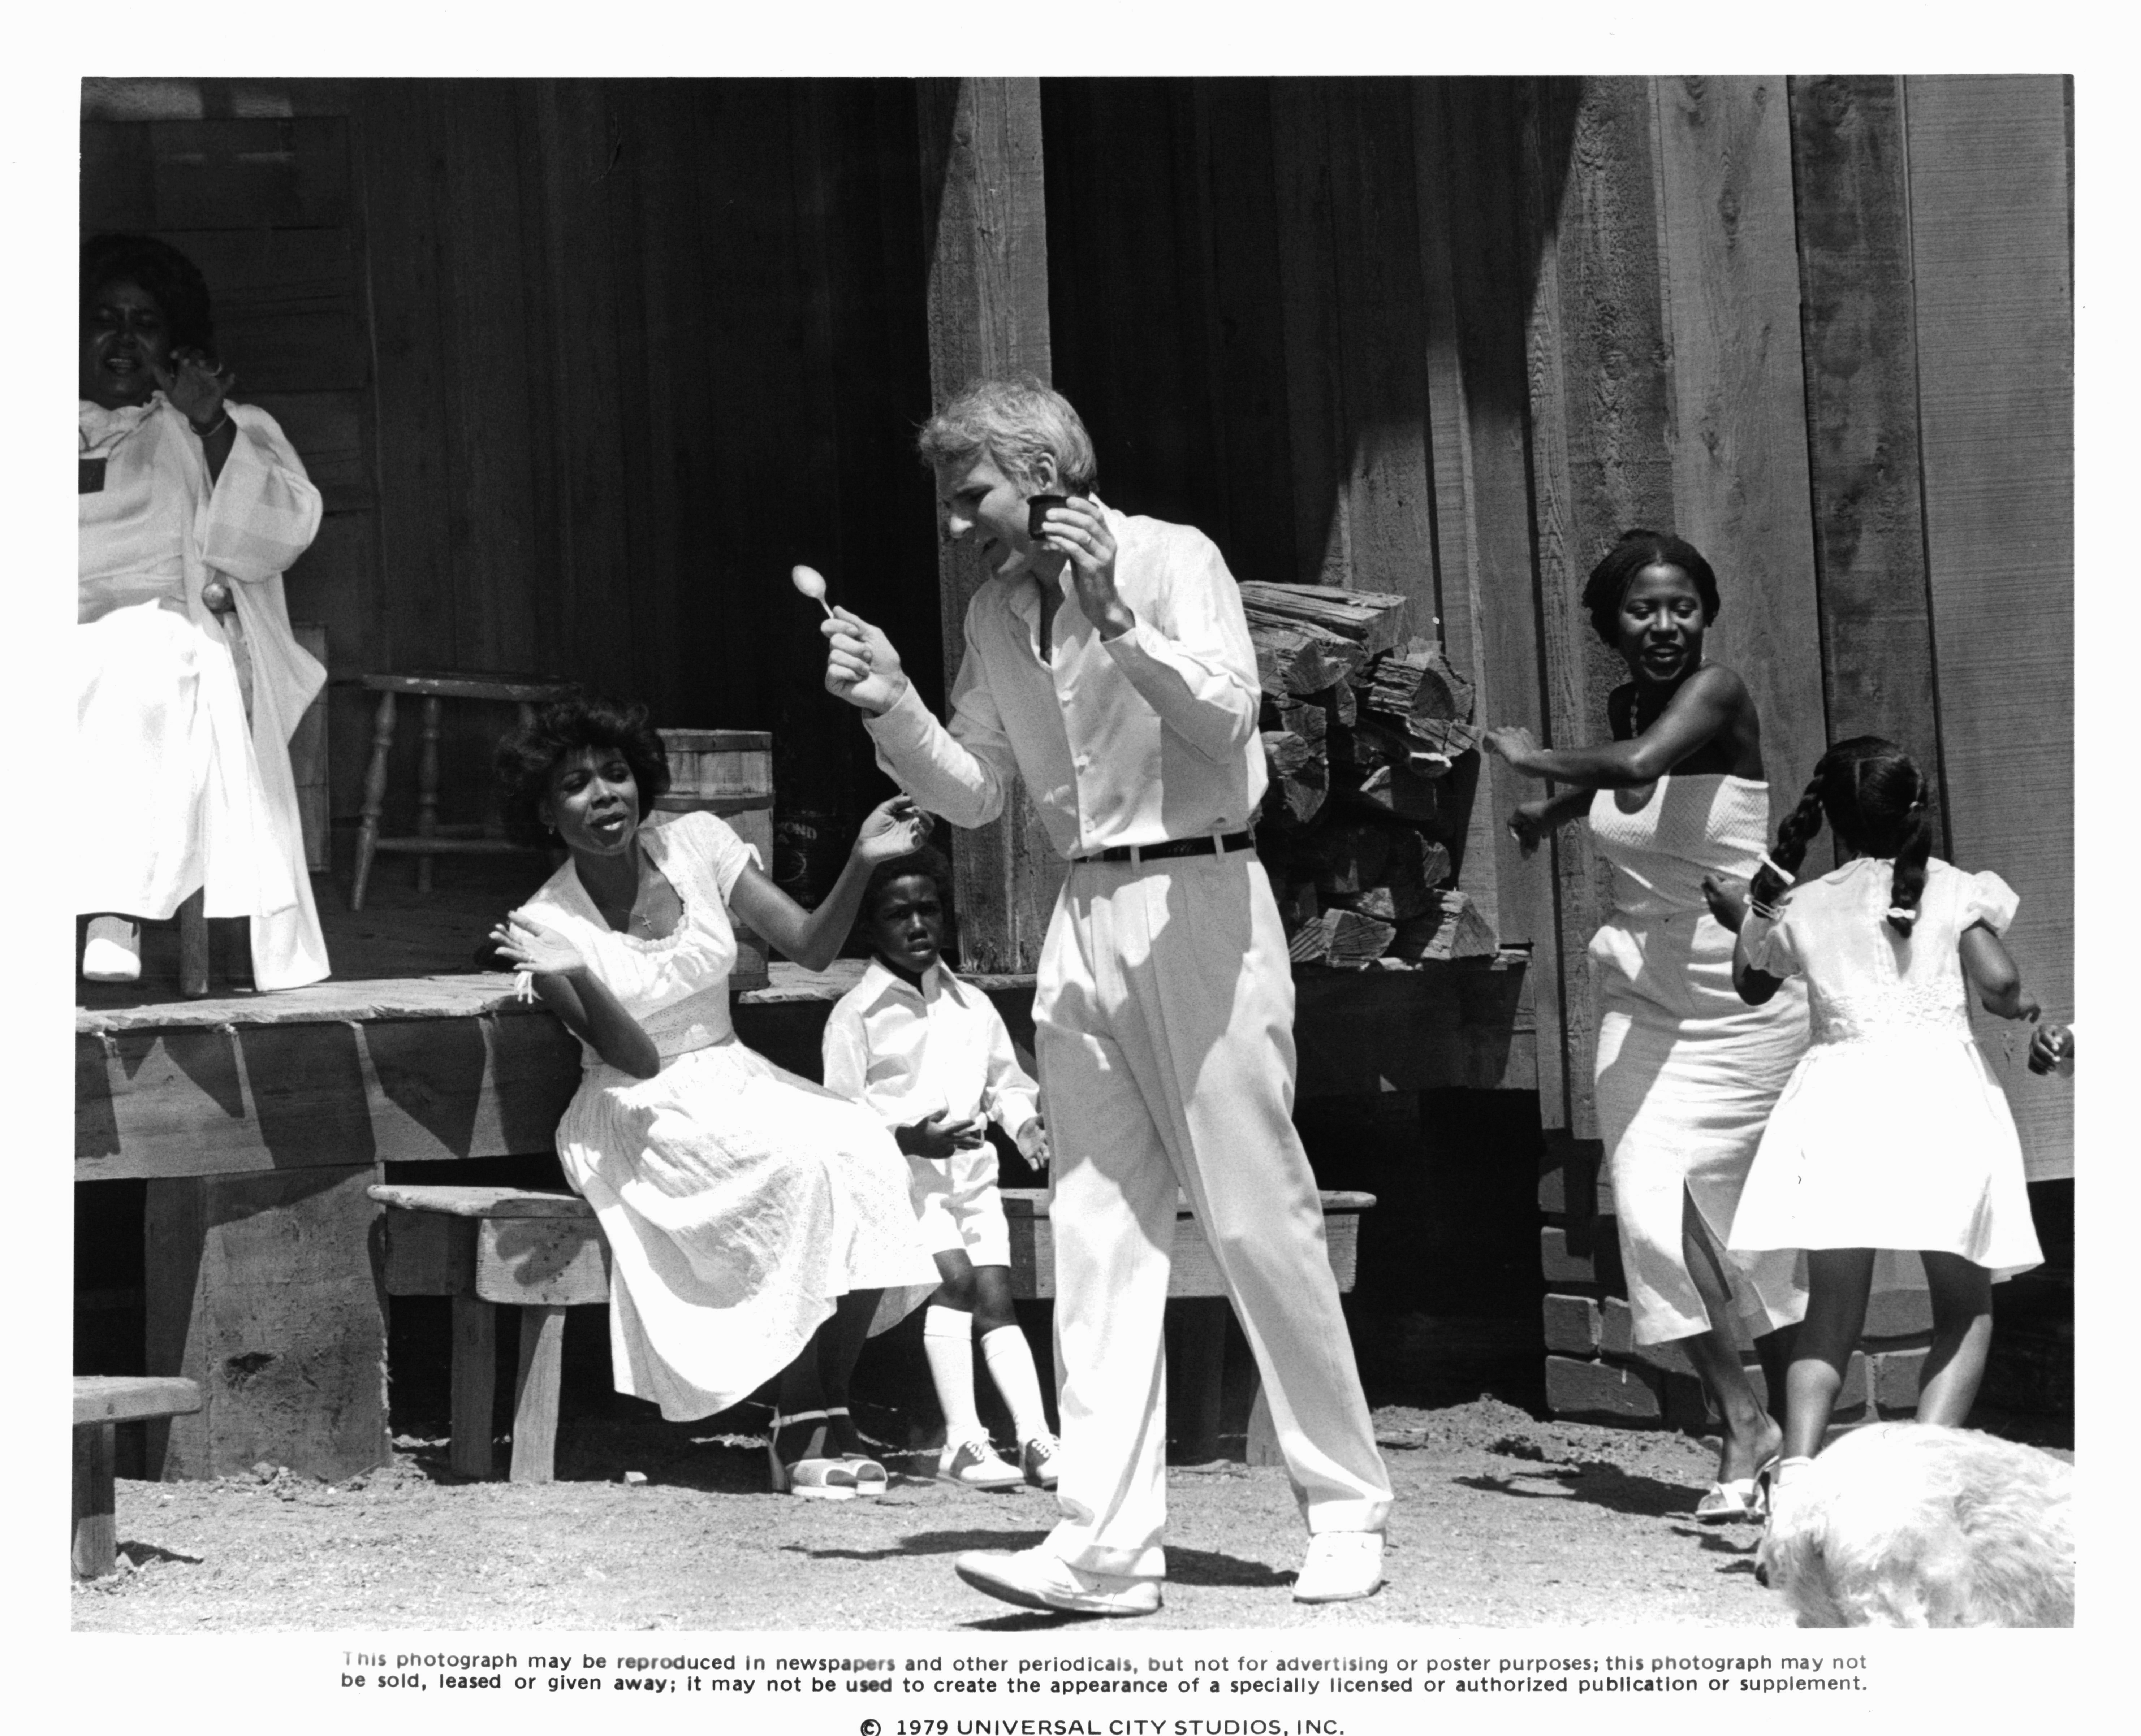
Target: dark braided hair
[
  {"x": 1637, "y": 550},
  {"x": 1875, "y": 797},
  {"x": 163, "y": 272},
  {"x": 526, "y": 757}
]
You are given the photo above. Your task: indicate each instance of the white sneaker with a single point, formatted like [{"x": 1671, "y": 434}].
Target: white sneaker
[
  {"x": 1040, "y": 1457},
  {"x": 112, "y": 951},
  {"x": 1340, "y": 1564},
  {"x": 1037, "y": 1579},
  {"x": 974, "y": 1464}
]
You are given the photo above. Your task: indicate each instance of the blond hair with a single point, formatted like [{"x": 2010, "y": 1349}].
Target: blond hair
[{"x": 1014, "y": 421}]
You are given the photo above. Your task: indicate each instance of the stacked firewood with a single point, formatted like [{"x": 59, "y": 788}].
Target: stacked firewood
[{"x": 1363, "y": 722}]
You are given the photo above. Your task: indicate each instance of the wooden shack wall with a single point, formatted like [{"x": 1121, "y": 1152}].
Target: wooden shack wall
[
  {"x": 1450, "y": 337},
  {"x": 583, "y": 369}
]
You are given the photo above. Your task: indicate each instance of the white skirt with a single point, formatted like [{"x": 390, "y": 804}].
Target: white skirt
[
  {"x": 740, "y": 1202},
  {"x": 1902, "y": 1142},
  {"x": 1686, "y": 1075}
]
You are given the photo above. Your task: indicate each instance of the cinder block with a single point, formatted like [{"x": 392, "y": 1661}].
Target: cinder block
[
  {"x": 1566, "y": 1258},
  {"x": 1572, "y": 1325},
  {"x": 1895, "y": 1375},
  {"x": 1568, "y": 1174},
  {"x": 1617, "y": 1337},
  {"x": 1628, "y": 1392},
  {"x": 1898, "y": 1314}
]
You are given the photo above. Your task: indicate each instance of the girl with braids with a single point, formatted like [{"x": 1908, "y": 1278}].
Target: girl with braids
[
  {"x": 1687, "y": 1073},
  {"x": 1893, "y": 1133}
]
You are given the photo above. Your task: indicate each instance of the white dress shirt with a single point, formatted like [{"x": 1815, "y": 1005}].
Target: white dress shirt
[
  {"x": 907, "y": 1053},
  {"x": 1148, "y": 736}
]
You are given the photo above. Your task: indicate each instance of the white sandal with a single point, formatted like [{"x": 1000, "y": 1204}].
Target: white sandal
[
  {"x": 871, "y": 1478},
  {"x": 812, "y": 1476}
]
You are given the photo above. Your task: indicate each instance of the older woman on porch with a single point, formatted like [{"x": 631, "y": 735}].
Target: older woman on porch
[
  {"x": 753, "y": 1219},
  {"x": 190, "y": 682}
]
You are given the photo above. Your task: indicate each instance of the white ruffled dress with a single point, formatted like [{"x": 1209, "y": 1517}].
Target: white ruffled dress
[
  {"x": 738, "y": 1200},
  {"x": 1893, "y": 1132}
]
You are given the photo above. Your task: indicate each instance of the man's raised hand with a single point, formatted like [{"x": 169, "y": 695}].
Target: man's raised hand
[{"x": 861, "y": 666}]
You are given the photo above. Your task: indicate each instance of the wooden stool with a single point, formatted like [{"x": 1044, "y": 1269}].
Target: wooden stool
[
  {"x": 540, "y": 1252},
  {"x": 101, "y": 1402},
  {"x": 430, "y": 838}
]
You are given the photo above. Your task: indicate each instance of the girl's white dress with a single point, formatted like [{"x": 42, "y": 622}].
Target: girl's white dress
[
  {"x": 1893, "y": 1132},
  {"x": 738, "y": 1200},
  {"x": 1687, "y": 1071}
]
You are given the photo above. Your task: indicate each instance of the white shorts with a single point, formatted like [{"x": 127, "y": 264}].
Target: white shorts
[{"x": 958, "y": 1206}]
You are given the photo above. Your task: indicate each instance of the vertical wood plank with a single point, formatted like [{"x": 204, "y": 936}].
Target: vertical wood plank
[
  {"x": 1315, "y": 395},
  {"x": 1477, "y": 291},
  {"x": 1250, "y": 457},
  {"x": 260, "y": 1288},
  {"x": 1375, "y": 228},
  {"x": 988, "y": 315},
  {"x": 1988, "y": 190},
  {"x": 95, "y": 1549},
  {"x": 1860, "y": 348},
  {"x": 535, "y": 1394},
  {"x": 475, "y": 1385},
  {"x": 1739, "y": 425},
  {"x": 1601, "y": 460}
]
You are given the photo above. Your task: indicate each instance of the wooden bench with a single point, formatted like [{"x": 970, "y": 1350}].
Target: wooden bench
[
  {"x": 102, "y": 1402},
  {"x": 488, "y": 1247}
]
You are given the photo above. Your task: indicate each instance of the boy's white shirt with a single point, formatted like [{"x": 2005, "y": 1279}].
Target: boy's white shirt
[{"x": 907, "y": 1053}]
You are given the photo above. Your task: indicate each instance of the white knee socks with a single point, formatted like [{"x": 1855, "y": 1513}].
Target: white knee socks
[
  {"x": 1011, "y": 1366},
  {"x": 947, "y": 1341}
]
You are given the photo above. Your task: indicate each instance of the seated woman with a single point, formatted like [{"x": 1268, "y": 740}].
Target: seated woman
[
  {"x": 189, "y": 681},
  {"x": 753, "y": 1218}
]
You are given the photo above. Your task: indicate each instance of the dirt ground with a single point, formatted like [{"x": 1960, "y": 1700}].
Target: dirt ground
[{"x": 1502, "y": 1520}]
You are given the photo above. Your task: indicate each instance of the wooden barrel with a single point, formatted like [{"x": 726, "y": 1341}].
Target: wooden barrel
[{"x": 729, "y": 772}]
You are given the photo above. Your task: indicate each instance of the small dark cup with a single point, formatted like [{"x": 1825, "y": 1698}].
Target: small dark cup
[{"x": 1038, "y": 508}]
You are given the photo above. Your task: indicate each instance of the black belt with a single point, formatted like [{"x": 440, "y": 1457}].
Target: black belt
[{"x": 1172, "y": 847}]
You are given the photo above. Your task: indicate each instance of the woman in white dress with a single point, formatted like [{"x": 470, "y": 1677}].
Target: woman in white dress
[
  {"x": 1892, "y": 1133},
  {"x": 753, "y": 1219},
  {"x": 188, "y": 679},
  {"x": 1687, "y": 1073}
]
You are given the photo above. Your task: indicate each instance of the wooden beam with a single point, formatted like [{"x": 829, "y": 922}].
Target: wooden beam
[
  {"x": 988, "y": 248},
  {"x": 1738, "y": 423},
  {"x": 1989, "y": 205},
  {"x": 1477, "y": 280},
  {"x": 260, "y": 1289},
  {"x": 1601, "y": 461},
  {"x": 1860, "y": 354}
]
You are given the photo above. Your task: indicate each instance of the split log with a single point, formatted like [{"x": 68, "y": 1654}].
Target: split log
[
  {"x": 1311, "y": 944},
  {"x": 1374, "y": 620},
  {"x": 1306, "y": 720},
  {"x": 1401, "y": 793},
  {"x": 1368, "y": 744},
  {"x": 1299, "y": 774},
  {"x": 1454, "y": 928},
  {"x": 1416, "y": 681},
  {"x": 1405, "y": 888},
  {"x": 1348, "y": 859},
  {"x": 1295, "y": 657},
  {"x": 1356, "y": 940}
]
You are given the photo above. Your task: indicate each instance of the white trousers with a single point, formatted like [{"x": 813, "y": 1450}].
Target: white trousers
[{"x": 1164, "y": 1020}]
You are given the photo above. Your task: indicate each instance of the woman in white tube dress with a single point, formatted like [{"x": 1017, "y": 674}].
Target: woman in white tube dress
[{"x": 1687, "y": 1073}]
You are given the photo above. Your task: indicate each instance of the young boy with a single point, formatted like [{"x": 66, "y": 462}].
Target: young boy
[{"x": 931, "y": 1056}]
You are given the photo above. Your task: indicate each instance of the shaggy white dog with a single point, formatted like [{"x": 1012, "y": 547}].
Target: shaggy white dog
[{"x": 1912, "y": 1525}]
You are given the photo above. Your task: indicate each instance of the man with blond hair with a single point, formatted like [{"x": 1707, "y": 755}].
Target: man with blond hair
[{"x": 1108, "y": 662}]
